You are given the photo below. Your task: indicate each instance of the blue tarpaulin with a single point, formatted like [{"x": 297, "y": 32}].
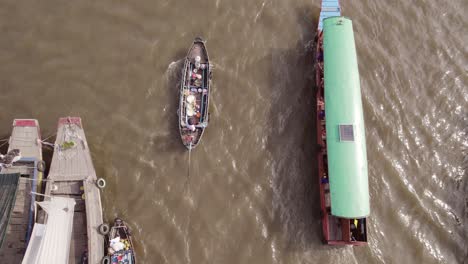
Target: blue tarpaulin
[{"x": 330, "y": 8}]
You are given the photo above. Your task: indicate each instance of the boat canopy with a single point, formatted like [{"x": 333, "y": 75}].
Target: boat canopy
[
  {"x": 346, "y": 142},
  {"x": 330, "y": 8},
  {"x": 8, "y": 188},
  {"x": 50, "y": 242}
]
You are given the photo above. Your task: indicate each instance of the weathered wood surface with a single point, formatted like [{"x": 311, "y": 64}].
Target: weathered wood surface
[{"x": 72, "y": 174}]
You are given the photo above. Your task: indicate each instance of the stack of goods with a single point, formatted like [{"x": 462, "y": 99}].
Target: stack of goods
[
  {"x": 191, "y": 107},
  {"x": 120, "y": 251},
  {"x": 122, "y": 257}
]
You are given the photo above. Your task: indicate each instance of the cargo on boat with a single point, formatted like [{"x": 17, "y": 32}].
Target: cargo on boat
[
  {"x": 119, "y": 244},
  {"x": 342, "y": 159},
  {"x": 194, "y": 94},
  {"x": 20, "y": 178},
  {"x": 68, "y": 231}
]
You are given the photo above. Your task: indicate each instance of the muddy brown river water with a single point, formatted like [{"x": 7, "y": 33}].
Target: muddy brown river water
[{"x": 251, "y": 195}]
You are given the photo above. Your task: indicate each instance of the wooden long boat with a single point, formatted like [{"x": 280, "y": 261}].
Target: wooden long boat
[
  {"x": 342, "y": 158},
  {"x": 72, "y": 175},
  {"x": 119, "y": 244},
  {"x": 20, "y": 179},
  {"x": 194, "y": 94}
]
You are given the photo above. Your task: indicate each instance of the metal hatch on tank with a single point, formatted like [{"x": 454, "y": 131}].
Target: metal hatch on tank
[
  {"x": 342, "y": 158},
  {"x": 194, "y": 94}
]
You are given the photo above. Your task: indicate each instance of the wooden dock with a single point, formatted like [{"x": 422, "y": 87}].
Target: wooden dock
[
  {"x": 72, "y": 175},
  {"x": 25, "y": 137}
]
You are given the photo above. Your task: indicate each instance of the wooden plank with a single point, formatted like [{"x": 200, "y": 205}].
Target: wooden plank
[
  {"x": 79, "y": 240},
  {"x": 65, "y": 178},
  {"x": 94, "y": 220},
  {"x": 72, "y": 188}
]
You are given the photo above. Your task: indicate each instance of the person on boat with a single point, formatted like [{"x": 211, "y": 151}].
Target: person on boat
[
  {"x": 324, "y": 178},
  {"x": 191, "y": 124},
  {"x": 197, "y": 62},
  {"x": 320, "y": 55},
  {"x": 353, "y": 227},
  {"x": 320, "y": 65},
  {"x": 198, "y": 80},
  {"x": 321, "y": 103},
  {"x": 322, "y": 114}
]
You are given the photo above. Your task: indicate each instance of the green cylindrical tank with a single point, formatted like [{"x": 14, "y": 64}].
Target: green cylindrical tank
[{"x": 346, "y": 141}]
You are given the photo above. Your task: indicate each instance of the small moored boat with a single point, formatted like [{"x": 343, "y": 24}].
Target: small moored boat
[
  {"x": 119, "y": 244},
  {"x": 342, "y": 158},
  {"x": 194, "y": 94}
]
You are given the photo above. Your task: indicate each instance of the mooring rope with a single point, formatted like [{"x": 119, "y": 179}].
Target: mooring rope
[
  {"x": 3, "y": 144},
  {"x": 53, "y": 135},
  {"x": 189, "y": 155}
]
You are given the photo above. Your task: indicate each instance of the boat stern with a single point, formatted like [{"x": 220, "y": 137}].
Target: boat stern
[
  {"x": 26, "y": 136},
  {"x": 69, "y": 120}
]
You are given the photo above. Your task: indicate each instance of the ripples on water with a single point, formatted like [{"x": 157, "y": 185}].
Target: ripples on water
[{"x": 251, "y": 196}]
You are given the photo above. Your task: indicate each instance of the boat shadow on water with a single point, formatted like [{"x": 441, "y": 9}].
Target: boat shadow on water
[{"x": 292, "y": 139}]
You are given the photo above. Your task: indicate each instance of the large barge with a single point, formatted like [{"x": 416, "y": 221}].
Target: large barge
[{"x": 342, "y": 158}]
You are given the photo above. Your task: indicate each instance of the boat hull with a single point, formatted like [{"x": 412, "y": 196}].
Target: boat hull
[
  {"x": 336, "y": 230},
  {"x": 194, "y": 95},
  {"x": 120, "y": 229}
]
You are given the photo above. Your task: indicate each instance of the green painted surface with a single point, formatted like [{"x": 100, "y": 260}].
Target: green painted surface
[{"x": 347, "y": 161}]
